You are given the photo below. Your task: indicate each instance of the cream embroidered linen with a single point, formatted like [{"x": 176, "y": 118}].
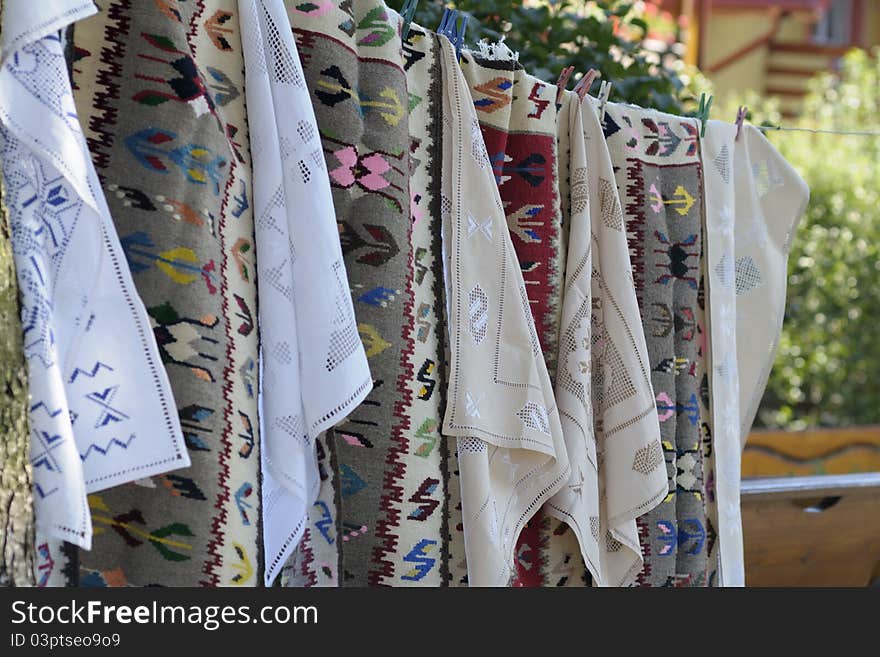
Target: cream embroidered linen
[
  {"x": 102, "y": 412},
  {"x": 770, "y": 200},
  {"x": 314, "y": 369},
  {"x": 603, "y": 385},
  {"x": 754, "y": 200},
  {"x": 500, "y": 406},
  {"x": 718, "y": 149}
]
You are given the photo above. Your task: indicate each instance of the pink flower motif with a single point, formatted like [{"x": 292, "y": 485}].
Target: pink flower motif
[
  {"x": 344, "y": 174},
  {"x": 665, "y": 407},
  {"x": 367, "y": 171},
  {"x": 376, "y": 165}
]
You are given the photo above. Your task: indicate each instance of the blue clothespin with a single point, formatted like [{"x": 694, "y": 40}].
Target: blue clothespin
[
  {"x": 703, "y": 112},
  {"x": 407, "y": 13},
  {"x": 452, "y": 30}
]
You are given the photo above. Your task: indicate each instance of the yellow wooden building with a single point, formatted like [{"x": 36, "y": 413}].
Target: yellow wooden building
[{"x": 773, "y": 46}]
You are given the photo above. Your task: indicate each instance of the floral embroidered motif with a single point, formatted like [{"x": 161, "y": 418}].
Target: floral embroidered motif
[{"x": 648, "y": 458}]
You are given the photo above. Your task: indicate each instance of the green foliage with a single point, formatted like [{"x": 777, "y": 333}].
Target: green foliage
[
  {"x": 606, "y": 35},
  {"x": 828, "y": 369}
]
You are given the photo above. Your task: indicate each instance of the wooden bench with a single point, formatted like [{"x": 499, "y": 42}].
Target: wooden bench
[
  {"x": 820, "y": 530},
  {"x": 811, "y": 507}
]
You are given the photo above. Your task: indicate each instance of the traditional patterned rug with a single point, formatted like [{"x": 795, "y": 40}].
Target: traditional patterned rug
[
  {"x": 354, "y": 66},
  {"x": 16, "y": 496},
  {"x": 420, "y": 556},
  {"x": 659, "y": 177},
  {"x": 159, "y": 87},
  {"x": 517, "y": 116}
]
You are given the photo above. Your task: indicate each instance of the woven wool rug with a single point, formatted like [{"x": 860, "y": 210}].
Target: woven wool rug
[
  {"x": 517, "y": 116},
  {"x": 659, "y": 178},
  {"x": 353, "y": 63},
  {"x": 16, "y": 497},
  {"x": 420, "y": 556},
  {"x": 159, "y": 87}
]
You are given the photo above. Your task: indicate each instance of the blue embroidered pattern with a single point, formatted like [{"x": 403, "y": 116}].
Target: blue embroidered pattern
[{"x": 96, "y": 381}]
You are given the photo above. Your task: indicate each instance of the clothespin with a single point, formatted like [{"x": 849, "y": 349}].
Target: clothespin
[
  {"x": 604, "y": 94},
  {"x": 452, "y": 30},
  {"x": 703, "y": 112},
  {"x": 562, "y": 82},
  {"x": 583, "y": 87},
  {"x": 407, "y": 12},
  {"x": 740, "y": 117}
]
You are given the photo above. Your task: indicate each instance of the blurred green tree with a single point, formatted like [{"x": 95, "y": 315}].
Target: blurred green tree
[{"x": 608, "y": 35}]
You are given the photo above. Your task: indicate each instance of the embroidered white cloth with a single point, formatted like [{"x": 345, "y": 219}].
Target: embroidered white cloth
[
  {"x": 754, "y": 200},
  {"x": 500, "y": 405},
  {"x": 603, "y": 383},
  {"x": 102, "y": 412},
  {"x": 314, "y": 366},
  {"x": 717, "y": 150},
  {"x": 770, "y": 200}
]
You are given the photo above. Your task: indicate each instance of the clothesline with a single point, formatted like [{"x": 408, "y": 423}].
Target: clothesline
[{"x": 858, "y": 133}]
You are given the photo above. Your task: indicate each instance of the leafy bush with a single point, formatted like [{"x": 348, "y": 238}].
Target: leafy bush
[{"x": 606, "y": 35}]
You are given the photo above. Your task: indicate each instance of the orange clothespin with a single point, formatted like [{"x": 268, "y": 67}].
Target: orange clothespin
[
  {"x": 583, "y": 87},
  {"x": 740, "y": 117},
  {"x": 562, "y": 82}
]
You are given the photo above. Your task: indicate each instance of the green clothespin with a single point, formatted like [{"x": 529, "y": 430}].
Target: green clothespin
[
  {"x": 407, "y": 13},
  {"x": 703, "y": 112}
]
